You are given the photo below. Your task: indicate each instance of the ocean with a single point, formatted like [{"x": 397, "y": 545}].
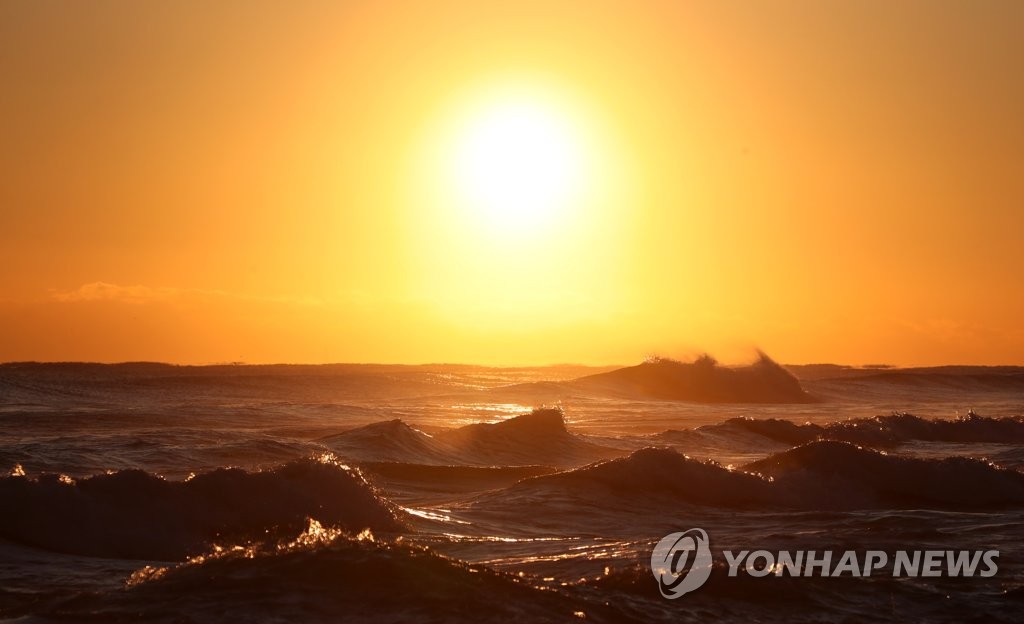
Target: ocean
[{"x": 377, "y": 493}]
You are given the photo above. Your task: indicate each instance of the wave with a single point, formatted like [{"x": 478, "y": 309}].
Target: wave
[
  {"x": 752, "y": 437},
  {"x": 173, "y": 453},
  {"x": 878, "y": 432},
  {"x": 843, "y": 475},
  {"x": 662, "y": 473},
  {"x": 958, "y": 378},
  {"x": 822, "y": 475},
  {"x": 898, "y": 428},
  {"x": 137, "y": 515},
  {"x": 536, "y": 438},
  {"x": 426, "y": 484},
  {"x": 391, "y": 441},
  {"x": 325, "y": 577},
  {"x": 539, "y": 437},
  {"x": 703, "y": 380}
]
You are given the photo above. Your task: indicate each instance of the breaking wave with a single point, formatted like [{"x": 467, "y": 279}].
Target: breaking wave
[
  {"x": 703, "y": 380},
  {"x": 326, "y": 576},
  {"x": 137, "y": 515}
]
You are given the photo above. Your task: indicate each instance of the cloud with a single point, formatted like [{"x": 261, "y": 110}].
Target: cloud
[{"x": 103, "y": 291}]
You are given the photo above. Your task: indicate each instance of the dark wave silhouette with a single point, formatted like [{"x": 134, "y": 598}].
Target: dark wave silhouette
[
  {"x": 136, "y": 515},
  {"x": 822, "y": 475},
  {"x": 391, "y": 441},
  {"x": 663, "y": 473},
  {"x": 537, "y": 438},
  {"x": 425, "y": 484},
  {"x": 843, "y": 475},
  {"x": 329, "y": 579},
  {"x": 742, "y": 433},
  {"x": 879, "y": 432},
  {"x": 898, "y": 428},
  {"x": 703, "y": 380}
]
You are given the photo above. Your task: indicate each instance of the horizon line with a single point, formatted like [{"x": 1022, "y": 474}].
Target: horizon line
[{"x": 240, "y": 363}]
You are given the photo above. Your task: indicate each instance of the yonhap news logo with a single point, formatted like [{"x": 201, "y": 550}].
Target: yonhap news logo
[{"x": 682, "y": 563}]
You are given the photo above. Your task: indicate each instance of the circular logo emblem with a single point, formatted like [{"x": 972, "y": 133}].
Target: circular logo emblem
[{"x": 681, "y": 562}]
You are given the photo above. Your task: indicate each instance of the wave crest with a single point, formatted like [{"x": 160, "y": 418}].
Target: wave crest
[
  {"x": 822, "y": 475},
  {"x": 538, "y": 437},
  {"x": 136, "y": 515},
  {"x": 321, "y": 577},
  {"x": 703, "y": 380}
]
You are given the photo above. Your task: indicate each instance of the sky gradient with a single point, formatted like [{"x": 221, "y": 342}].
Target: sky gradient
[{"x": 265, "y": 182}]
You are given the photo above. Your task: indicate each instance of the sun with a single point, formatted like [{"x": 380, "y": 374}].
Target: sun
[
  {"x": 518, "y": 162},
  {"x": 516, "y": 204}
]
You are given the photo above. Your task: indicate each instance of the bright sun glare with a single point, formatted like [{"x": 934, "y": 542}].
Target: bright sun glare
[{"x": 518, "y": 162}]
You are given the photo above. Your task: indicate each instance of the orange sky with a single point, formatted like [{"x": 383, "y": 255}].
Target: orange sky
[{"x": 266, "y": 181}]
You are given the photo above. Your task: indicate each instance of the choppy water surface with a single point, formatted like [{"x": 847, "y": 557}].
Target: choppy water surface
[{"x": 379, "y": 493}]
